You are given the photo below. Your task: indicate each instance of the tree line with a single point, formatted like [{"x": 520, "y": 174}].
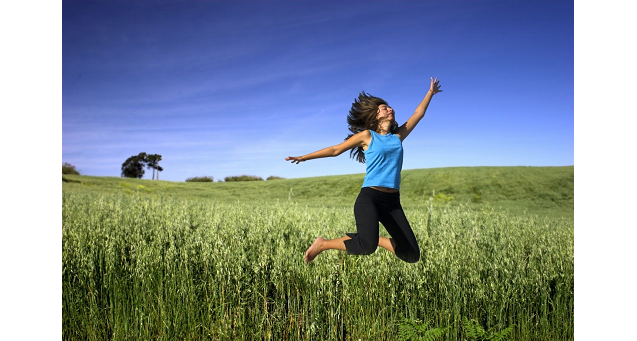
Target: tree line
[{"x": 134, "y": 166}]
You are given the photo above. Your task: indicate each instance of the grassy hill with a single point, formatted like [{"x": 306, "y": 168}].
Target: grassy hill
[{"x": 534, "y": 190}]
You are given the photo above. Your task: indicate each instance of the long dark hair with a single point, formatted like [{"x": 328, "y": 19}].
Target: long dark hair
[{"x": 362, "y": 116}]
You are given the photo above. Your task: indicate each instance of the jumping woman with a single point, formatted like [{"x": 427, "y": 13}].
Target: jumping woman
[{"x": 375, "y": 139}]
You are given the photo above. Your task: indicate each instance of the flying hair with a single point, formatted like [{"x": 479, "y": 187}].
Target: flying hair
[{"x": 362, "y": 116}]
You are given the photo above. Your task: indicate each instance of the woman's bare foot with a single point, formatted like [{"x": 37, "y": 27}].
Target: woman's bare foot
[{"x": 314, "y": 250}]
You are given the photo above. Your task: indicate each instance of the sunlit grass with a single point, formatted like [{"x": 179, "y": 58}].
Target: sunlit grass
[
  {"x": 547, "y": 191},
  {"x": 143, "y": 266}
]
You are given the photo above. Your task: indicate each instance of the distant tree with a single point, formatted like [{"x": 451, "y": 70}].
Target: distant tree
[
  {"x": 68, "y": 168},
  {"x": 133, "y": 167},
  {"x": 152, "y": 162},
  {"x": 200, "y": 179},
  {"x": 243, "y": 178}
]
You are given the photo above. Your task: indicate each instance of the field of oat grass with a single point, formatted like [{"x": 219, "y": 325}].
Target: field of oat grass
[{"x": 164, "y": 260}]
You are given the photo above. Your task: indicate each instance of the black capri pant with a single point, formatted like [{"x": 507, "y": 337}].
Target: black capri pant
[{"x": 371, "y": 207}]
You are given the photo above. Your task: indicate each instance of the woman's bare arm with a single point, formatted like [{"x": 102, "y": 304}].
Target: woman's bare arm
[
  {"x": 361, "y": 139},
  {"x": 408, "y": 127}
]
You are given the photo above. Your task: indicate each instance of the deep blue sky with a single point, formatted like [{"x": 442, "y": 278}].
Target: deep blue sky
[{"x": 222, "y": 88}]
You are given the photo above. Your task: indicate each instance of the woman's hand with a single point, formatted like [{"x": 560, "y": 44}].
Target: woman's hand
[
  {"x": 435, "y": 86},
  {"x": 294, "y": 159},
  {"x": 408, "y": 127}
]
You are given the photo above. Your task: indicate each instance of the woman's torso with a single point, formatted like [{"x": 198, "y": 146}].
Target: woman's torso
[{"x": 384, "y": 159}]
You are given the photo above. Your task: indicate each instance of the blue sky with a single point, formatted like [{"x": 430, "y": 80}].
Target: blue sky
[{"x": 223, "y": 88}]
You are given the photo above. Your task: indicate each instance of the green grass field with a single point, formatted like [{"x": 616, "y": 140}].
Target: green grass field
[
  {"x": 547, "y": 191},
  {"x": 149, "y": 259}
]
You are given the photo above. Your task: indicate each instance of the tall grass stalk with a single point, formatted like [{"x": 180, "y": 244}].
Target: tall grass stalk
[{"x": 136, "y": 267}]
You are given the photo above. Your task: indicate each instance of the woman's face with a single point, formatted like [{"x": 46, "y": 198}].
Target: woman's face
[{"x": 385, "y": 112}]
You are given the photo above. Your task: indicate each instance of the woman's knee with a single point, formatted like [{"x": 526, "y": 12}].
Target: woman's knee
[
  {"x": 368, "y": 246},
  {"x": 360, "y": 245},
  {"x": 412, "y": 258},
  {"x": 409, "y": 256}
]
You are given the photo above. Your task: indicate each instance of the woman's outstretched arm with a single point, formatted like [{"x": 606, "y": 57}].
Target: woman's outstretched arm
[
  {"x": 411, "y": 123},
  {"x": 361, "y": 139}
]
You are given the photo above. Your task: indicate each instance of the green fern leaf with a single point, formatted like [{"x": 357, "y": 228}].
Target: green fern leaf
[
  {"x": 407, "y": 330},
  {"x": 502, "y": 335},
  {"x": 473, "y": 329},
  {"x": 417, "y": 330},
  {"x": 434, "y": 334}
]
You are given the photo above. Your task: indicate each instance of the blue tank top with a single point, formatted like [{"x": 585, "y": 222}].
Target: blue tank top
[{"x": 384, "y": 159}]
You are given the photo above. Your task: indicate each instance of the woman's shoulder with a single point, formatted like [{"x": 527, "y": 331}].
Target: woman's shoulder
[
  {"x": 363, "y": 138},
  {"x": 364, "y": 133}
]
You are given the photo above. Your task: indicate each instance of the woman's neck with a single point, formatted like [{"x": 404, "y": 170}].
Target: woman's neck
[{"x": 384, "y": 128}]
